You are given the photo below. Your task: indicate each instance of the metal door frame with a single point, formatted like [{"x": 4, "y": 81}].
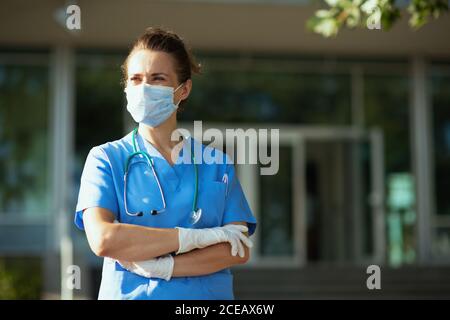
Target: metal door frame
[{"x": 375, "y": 139}]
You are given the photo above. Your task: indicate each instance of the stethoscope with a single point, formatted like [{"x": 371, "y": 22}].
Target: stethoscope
[{"x": 195, "y": 213}]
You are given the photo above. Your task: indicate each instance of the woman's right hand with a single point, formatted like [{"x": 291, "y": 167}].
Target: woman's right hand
[{"x": 190, "y": 239}]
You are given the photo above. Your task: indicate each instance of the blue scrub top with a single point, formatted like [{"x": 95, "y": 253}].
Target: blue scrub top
[{"x": 102, "y": 185}]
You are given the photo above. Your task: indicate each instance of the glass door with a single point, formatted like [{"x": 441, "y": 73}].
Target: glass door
[
  {"x": 325, "y": 204},
  {"x": 339, "y": 195}
]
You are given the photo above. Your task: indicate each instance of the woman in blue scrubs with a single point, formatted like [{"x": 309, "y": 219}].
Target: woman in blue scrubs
[{"x": 167, "y": 228}]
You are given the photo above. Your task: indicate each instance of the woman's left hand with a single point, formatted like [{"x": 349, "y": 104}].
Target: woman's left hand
[{"x": 161, "y": 267}]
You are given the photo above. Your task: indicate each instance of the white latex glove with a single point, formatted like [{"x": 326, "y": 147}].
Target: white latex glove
[
  {"x": 190, "y": 239},
  {"x": 161, "y": 267}
]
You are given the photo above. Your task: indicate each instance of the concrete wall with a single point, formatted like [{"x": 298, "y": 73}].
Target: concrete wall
[{"x": 208, "y": 25}]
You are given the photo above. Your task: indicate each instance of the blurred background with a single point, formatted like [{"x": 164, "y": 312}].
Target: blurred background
[{"x": 364, "y": 121}]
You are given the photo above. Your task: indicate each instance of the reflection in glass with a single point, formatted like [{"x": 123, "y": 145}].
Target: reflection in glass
[
  {"x": 386, "y": 101},
  {"x": 100, "y": 109},
  {"x": 440, "y": 84},
  {"x": 24, "y": 136},
  {"x": 339, "y": 224},
  {"x": 441, "y": 242},
  {"x": 261, "y": 94},
  {"x": 100, "y": 104},
  {"x": 440, "y": 97},
  {"x": 276, "y": 227}
]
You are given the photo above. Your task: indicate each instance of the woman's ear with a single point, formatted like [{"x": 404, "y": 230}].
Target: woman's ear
[{"x": 186, "y": 89}]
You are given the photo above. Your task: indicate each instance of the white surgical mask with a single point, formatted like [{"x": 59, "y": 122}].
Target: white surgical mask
[{"x": 151, "y": 104}]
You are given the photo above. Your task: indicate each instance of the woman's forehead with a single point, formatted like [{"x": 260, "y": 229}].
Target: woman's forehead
[{"x": 148, "y": 62}]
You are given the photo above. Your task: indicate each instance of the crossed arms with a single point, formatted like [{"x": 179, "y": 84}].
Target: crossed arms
[{"x": 128, "y": 242}]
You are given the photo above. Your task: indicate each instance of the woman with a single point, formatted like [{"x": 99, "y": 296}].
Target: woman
[{"x": 167, "y": 229}]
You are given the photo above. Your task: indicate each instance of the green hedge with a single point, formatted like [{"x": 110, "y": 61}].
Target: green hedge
[{"x": 20, "y": 278}]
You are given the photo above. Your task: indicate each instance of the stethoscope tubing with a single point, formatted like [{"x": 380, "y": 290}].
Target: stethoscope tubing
[{"x": 149, "y": 161}]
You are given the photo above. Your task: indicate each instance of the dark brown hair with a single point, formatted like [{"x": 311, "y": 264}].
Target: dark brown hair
[{"x": 158, "y": 39}]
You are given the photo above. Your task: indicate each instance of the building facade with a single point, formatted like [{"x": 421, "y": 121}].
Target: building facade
[{"x": 364, "y": 122}]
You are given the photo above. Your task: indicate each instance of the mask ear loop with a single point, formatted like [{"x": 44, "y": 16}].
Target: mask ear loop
[{"x": 176, "y": 91}]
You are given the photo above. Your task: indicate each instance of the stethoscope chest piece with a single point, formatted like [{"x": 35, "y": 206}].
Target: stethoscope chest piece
[{"x": 196, "y": 215}]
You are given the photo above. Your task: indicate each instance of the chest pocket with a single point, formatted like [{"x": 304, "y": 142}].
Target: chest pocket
[{"x": 211, "y": 199}]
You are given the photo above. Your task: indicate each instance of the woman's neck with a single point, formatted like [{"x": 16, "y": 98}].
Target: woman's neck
[{"x": 160, "y": 136}]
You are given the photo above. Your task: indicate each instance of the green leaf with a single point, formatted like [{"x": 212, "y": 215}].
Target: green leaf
[{"x": 351, "y": 13}]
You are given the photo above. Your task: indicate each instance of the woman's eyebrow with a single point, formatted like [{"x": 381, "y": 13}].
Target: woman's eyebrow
[
  {"x": 158, "y": 74},
  {"x": 139, "y": 74}
]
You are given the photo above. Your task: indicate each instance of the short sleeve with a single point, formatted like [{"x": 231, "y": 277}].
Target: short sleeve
[
  {"x": 96, "y": 187},
  {"x": 236, "y": 205}
]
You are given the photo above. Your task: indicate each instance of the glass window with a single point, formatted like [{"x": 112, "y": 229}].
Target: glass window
[
  {"x": 100, "y": 101},
  {"x": 441, "y": 242},
  {"x": 100, "y": 114},
  {"x": 339, "y": 226},
  {"x": 440, "y": 97},
  {"x": 24, "y": 140},
  {"x": 261, "y": 92},
  {"x": 440, "y": 84},
  {"x": 99, "y": 107},
  {"x": 275, "y": 225},
  {"x": 386, "y": 100}
]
